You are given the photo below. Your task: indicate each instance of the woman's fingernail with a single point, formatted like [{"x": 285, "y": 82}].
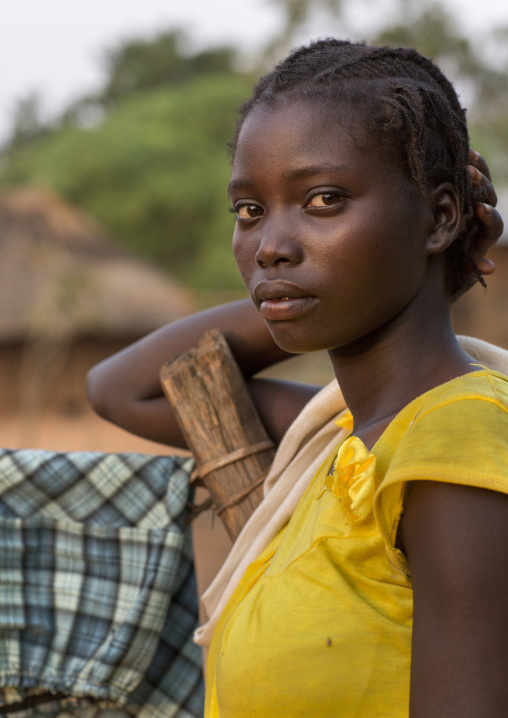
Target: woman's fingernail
[{"x": 487, "y": 208}]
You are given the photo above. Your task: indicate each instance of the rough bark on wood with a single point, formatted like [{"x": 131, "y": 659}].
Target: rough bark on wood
[{"x": 217, "y": 417}]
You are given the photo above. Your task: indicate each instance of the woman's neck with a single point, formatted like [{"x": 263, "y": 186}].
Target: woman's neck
[{"x": 382, "y": 373}]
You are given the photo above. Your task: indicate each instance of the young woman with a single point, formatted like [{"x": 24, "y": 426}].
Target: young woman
[{"x": 385, "y": 594}]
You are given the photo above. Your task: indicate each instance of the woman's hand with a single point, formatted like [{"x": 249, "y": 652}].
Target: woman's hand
[
  {"x": 492, "y": 223},
  {"x": 491, "y": 227}
]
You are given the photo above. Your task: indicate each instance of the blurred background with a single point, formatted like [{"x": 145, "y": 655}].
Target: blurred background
[{"x": 114, "y": 121}]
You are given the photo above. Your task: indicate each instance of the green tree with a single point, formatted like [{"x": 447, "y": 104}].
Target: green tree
[
  {"x": 141, "y": 65},
  {"x": 146, "y": 156},
  {"x": 296, "y": 14},
  {"x": 27, "y": 123},
  {"x": 154, "y": 172}
]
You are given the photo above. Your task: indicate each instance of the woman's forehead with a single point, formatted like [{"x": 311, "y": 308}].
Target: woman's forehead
[{"x": 304, "y": 133}]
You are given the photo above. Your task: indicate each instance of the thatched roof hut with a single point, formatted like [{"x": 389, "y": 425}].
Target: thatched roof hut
[
  {"x": 59, "y": 274},
  {"x": 68, "y": 298}
]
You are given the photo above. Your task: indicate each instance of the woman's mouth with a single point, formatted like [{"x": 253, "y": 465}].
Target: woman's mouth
[
  {"x": 285, "y": 308},
  {"x": 280, "y": 300}
]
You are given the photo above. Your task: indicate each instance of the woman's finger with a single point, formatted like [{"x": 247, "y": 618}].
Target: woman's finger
[
  {"x": 491, "y": 227},
  {"x": 480, "y": 180},
  {"x": 477, "y": 161},
  {"x": 480, "y": 175},
  {"x": 490, "y": 230}
]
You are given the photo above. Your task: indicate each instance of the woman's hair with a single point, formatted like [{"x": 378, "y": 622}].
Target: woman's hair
[{"x": 403, "y": 99}]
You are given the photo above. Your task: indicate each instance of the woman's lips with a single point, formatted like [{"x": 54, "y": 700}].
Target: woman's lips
[
  {"x": 286, "y": 307},
  {"x": 280, "y": 300}
]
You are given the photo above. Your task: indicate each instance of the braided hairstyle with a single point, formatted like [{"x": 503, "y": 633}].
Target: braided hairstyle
[{"x": 404, "y": 100}]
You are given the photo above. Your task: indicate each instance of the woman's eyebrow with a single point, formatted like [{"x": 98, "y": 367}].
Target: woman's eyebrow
[
  {"x": 314, "y": 171},
  {"x": 295, "y": 174},
  {"x": 238, "y": 184}
]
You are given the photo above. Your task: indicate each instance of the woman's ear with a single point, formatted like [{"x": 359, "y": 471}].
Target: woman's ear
[{"x": 446, "y": 211}]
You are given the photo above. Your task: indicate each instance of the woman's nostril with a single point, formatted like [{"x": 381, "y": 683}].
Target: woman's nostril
[{"x": 276, "y": 248}]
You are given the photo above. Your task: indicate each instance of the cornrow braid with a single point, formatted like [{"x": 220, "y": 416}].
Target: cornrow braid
[{"x": 404, "y": 99}]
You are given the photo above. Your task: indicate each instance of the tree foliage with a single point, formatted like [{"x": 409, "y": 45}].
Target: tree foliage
[
  {"x": 154, "y": 173},
  {"x": 147, "y": 156},
  {"x": 141, "y": 65},
  {"x": 27, "y": 123},
  {"x": 296, "y": 14}
]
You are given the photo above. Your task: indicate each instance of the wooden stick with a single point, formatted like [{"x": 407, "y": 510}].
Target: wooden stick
[{"x": 221, "y": 426}]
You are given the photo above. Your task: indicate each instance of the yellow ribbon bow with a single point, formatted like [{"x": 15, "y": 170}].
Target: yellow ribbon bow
[{"x": 352, "y": 479}]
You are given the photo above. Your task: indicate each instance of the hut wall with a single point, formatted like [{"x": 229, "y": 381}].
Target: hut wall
[
  {"x": 50, "y": 376},
  {"x": 43, "y": 400}
]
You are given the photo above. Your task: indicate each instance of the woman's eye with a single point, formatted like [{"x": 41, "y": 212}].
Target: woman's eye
[
  {"x": 247, "y": 211},
  {"x": 324, "y": 199}
]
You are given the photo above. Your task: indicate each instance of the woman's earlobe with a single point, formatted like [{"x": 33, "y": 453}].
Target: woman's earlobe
[{"x": 446, "y": 213}]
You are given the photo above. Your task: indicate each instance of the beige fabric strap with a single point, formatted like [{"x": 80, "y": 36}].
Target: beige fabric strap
[
  {"x": 311, "y": 436},
  {"x": 241, "y": 453}
]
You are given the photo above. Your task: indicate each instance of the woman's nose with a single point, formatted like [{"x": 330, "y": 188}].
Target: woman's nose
[{"x": 278, "y": 245}]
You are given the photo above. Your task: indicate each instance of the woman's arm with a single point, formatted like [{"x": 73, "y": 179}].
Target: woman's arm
[
  {"x": 125, "y": 388},
  {"x": 456, "y": 541}
]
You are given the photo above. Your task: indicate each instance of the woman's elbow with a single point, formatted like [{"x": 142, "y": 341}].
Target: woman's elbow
[{"x": 101, "y": 392}]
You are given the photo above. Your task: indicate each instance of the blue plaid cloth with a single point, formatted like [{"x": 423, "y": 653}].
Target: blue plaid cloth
[{"x": 97, "y": 587}]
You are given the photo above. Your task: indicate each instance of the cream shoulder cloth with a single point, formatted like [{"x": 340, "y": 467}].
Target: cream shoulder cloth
[{"x": 303, "y": 449}]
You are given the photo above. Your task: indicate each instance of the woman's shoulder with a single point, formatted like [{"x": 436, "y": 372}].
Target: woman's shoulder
[
  {"x": 470, "y": 408},
  {"x": 462, "y": 423},
  {"x": 455, "y": 434},
  {"x": 452, "y": 408},
  {"x": 482, "y": 383}
]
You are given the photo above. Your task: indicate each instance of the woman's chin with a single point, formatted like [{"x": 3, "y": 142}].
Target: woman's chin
[{"x": 291, "y": 342}]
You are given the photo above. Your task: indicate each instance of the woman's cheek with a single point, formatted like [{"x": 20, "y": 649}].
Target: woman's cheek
[{"x": 244, "y": 256}]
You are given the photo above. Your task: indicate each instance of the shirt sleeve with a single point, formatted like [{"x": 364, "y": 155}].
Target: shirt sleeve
[{"x": 461, "y": 441}]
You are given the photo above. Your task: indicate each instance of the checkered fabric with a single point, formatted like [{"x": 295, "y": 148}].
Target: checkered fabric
[{"x": 97, "y": 586}]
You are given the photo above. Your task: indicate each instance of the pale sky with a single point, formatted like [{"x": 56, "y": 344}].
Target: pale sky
[{"x": 54, "y": 46}]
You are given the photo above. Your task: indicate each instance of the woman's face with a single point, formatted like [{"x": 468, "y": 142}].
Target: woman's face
[{"x": 331, "y": 236}]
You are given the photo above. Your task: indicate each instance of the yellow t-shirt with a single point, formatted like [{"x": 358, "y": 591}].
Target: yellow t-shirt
[{"x": 320, "y": 624}]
